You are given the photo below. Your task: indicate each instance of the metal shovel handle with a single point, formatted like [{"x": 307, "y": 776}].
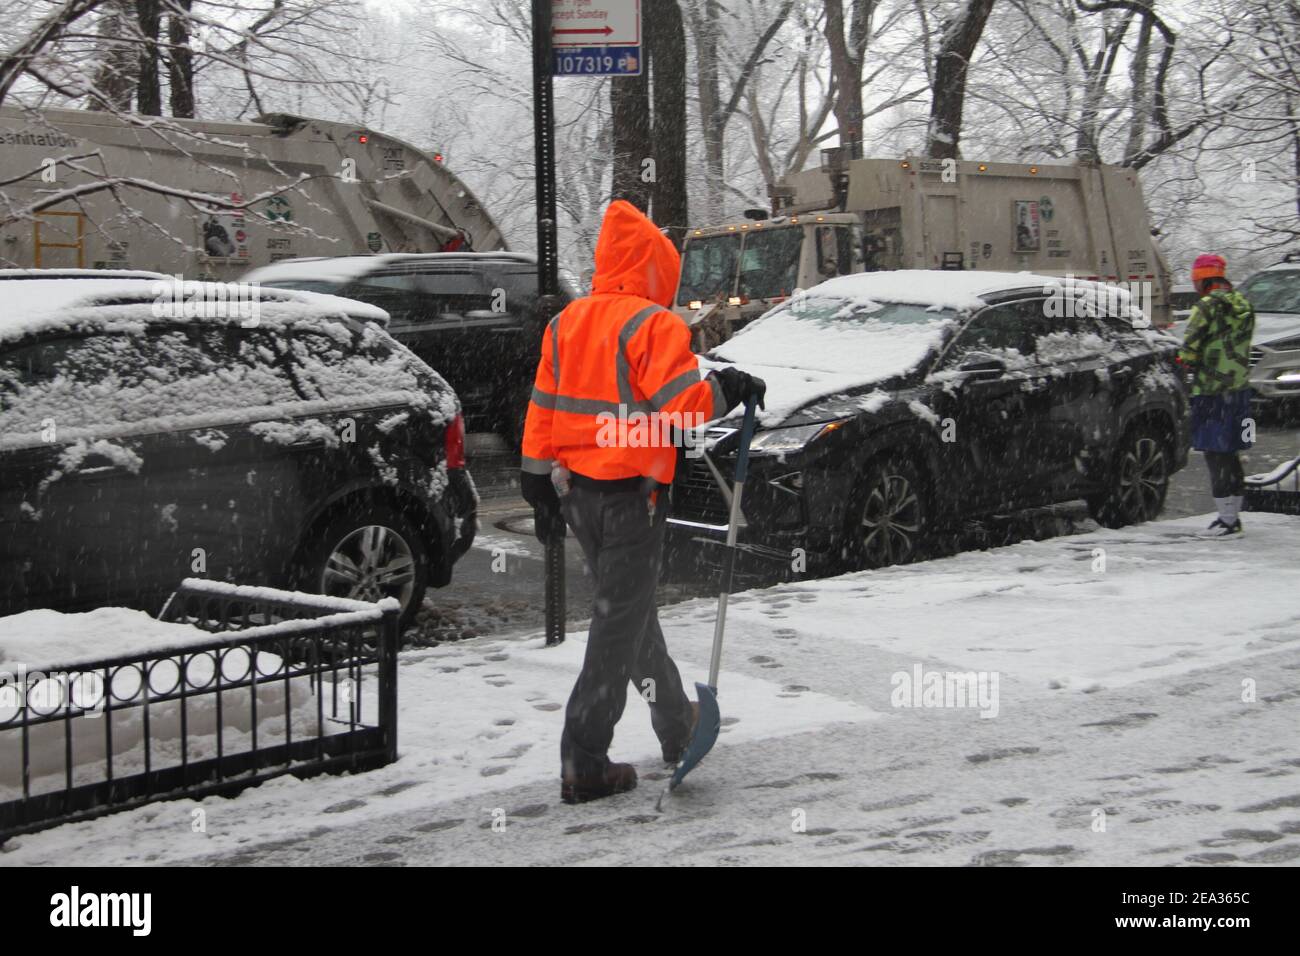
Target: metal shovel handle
[{"x": 733, "y": 525}]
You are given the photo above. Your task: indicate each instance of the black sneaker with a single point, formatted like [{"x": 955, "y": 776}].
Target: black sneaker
[{"x": 1221, "y": 529}]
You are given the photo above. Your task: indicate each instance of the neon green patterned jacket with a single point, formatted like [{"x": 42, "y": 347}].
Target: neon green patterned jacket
[{"x": 1216, "y": 345}]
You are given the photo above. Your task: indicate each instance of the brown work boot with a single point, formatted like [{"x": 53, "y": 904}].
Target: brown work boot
[
  {"x": 673, "y": 751},
  {"x": 617, "y": 778}
]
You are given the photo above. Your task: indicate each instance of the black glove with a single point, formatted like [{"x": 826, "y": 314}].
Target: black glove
[
  {"x": 738, "y": 386},
  {"x": 538, "y": 491}
]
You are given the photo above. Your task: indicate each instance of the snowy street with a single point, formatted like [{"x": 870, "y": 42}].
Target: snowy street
[{"x": 1142, "y": 714}]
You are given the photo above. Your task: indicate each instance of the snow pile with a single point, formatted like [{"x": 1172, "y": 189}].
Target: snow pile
[{"x": 35, "y": 639}]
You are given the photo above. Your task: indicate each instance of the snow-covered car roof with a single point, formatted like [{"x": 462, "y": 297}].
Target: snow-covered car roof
[
  {"x": 32, "y": 307},
  {"x": 79, "y": 274},
  {"x": 942, "y": 289},
  {"x": 346, "y": 268}
]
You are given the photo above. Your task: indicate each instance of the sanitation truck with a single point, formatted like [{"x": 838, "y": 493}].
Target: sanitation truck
[
  {"x": 316, "y": 188},
  {"x": 1088, "y": 221}
]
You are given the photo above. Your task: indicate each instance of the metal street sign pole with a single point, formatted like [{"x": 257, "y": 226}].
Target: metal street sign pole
[{"x": 547, "y": 260}]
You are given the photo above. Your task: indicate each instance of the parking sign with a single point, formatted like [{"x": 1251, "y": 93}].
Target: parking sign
[{"x": 596, "y": 37}]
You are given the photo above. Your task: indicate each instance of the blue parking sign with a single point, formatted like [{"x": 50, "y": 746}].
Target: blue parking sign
[{"x": 597, "y": 61}]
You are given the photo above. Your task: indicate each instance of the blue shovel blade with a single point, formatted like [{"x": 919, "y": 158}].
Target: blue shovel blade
[{"x": 706, "y": 733}]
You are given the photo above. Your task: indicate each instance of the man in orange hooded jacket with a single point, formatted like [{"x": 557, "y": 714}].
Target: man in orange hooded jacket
[{"x": 616, "y": 387}]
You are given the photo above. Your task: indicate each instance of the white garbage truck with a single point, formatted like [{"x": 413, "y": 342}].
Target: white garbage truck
[
  {"x": 1087, "y": 221},
  {"x": 138, "y": 192}
]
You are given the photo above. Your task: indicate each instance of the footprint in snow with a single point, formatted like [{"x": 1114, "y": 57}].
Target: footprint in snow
[
  {"x": 397, "y": 788},
  {"x": 345, "y": 806},
  {"x": 547, "y": 706},
  {"x": 1001, "y": 753},
  {"x": 437, "y": 825},
  {"x": 1123, "y": 721},
  {"x": 514, "y": 753}
]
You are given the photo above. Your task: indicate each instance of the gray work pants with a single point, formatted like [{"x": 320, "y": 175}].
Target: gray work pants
[{"x": 623, "y": 545}]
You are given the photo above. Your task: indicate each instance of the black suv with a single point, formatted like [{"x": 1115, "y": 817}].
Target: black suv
[
  {"x": 901, "y": 404},
  {"x": 294, "y": 447},
  {"x": 471, "y": 315}
]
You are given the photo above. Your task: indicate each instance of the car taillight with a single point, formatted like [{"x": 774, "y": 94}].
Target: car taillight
[{"x": 454, "y": 442}]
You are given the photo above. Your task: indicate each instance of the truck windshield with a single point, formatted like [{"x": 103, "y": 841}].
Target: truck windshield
[
  {"x": 769, "y": 265},
  {"x": 1277, "y": 290},
  {"x": 708, "y": 269}
]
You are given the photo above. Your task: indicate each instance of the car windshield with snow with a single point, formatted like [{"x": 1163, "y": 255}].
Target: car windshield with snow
[
  {"x": 275, "y": 441},
  {"x": 901, "y": 404}
]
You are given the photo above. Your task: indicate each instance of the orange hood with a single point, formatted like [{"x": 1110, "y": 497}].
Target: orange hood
[{"x": 634, "y": 258}]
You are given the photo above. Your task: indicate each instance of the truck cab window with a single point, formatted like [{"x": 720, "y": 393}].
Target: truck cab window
[
  {"x": 708, "y": 269},
  {"x": 769, "y": 264}
]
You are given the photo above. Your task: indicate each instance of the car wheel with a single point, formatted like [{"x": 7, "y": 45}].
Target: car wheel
[
  {"x": 367, "y": 554},
  {"x": 887, "y": 516},
  {"x": 1137, "y": 483}
]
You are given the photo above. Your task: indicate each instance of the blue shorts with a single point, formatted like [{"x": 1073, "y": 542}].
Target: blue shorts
[{"x": 1219, "y": 421}]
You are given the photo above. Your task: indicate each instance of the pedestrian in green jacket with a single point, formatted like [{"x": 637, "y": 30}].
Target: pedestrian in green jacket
[{"x": 1216, "y": 348}]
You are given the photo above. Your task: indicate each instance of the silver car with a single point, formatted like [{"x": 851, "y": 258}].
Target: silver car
[{"x": 1275, "y": 351}]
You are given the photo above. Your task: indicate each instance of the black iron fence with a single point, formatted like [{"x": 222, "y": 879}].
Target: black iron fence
[{"x": 287, "y": 683}]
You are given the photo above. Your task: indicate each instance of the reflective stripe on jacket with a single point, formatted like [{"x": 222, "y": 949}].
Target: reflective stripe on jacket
[{"x": 617, "y": 378}]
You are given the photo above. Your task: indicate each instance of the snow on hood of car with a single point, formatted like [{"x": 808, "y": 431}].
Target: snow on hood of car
[{"x": 802, "y": 359}]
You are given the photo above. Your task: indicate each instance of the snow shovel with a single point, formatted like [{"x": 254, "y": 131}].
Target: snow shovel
[{"x": 709, "y": 723}]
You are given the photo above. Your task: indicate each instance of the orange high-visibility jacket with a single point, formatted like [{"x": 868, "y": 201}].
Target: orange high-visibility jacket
[{"x": 617, "y": 372}]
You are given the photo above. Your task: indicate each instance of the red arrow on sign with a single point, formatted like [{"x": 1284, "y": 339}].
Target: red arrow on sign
[{"x": 605, "y": 30}]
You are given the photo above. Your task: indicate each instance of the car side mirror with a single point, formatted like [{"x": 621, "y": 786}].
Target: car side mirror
[{"x": 981, "y": 365}]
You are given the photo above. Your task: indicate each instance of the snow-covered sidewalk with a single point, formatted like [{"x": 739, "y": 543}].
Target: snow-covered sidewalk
[{"x": 1135, "y": 699}]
